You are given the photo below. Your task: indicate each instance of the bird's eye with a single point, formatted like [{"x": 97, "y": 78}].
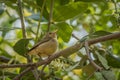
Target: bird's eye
[{"x": 50, "y": 33}]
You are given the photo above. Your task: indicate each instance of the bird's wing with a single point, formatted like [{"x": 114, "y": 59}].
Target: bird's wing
[{"x": 42, "y": 41}]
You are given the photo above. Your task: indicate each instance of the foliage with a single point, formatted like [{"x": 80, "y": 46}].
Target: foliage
[{"x": 83, "y": 18}]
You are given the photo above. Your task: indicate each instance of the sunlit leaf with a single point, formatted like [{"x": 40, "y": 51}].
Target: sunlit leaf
[
  {"x": 64, "y": 31},
  {"x": 68, "y": 11},
  {"x": 5, "y": 53},
  {"x": 119, "y": 76}
]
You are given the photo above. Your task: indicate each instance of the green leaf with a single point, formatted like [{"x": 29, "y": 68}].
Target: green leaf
[
  {"x": 98, "y": 76},
  {"x": 45, "y": 12},
  {"x": 8, "y": 74},
  {"x": 64, "y": 31},
  {"x": 5, "y": 53},
  {"x": 103, "y": 61},
  {"x": 89, "y": 69},
  {"x": 109, "y": 75},
  {"x": 90, "y": 0},
  {"x": 73, "y": 67},
  {"x": 39, "y": 2},
  {"x": 83, "y": 60},
  {"x": 62, "y": 13},
  {"x": 113, "y": 60},
  {"x": 7, "y": 78},
  {"x": 118, "y": 76},
  {"x": 100, "y": 33},
  {"x": 28, "y": 76},
  {"x": 31, "y": 3},
  {"x": 21, "y": 46},
  {"x": 2, "y": 8},
  {"x": 63, "y": 2}
]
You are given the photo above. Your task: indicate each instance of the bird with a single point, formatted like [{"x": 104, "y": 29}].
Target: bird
[{"x": 46, "y": 47}]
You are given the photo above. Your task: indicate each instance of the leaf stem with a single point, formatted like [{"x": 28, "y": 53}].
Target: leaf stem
[
  {"x": 89, "y": 57},
  {"x": 41, "y": 14}
]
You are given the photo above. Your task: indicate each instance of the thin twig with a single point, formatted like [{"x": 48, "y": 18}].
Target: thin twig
[
  {"x": 4, "y": 59},
  {"x": 19, "y": 76},
  {"x": 8, "y": 13},
  {"x": 35, "y": 73},
  {"x": 75, "y": 37},
  {"x": 34, "y": 70},
  {"x": 41, "y": 72},
  {"x": 50, "y": 14},
  {"x": 29, "y": 69},
  {"x": 41, "y": 14},
  {"x": 22, "y": 19},
  {"x": 89, "y": 57},
  {"x": 115, "y": 35},
  {"x": 115, "y": 4}
]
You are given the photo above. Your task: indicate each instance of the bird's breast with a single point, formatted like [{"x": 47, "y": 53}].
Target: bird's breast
[{"x": 47, "y": 48}]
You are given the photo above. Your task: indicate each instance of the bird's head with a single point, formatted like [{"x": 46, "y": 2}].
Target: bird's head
[{"x": 52, "y": 34}]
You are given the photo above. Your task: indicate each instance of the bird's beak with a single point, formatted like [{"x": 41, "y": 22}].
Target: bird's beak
[{"x": 55, "y": 31}]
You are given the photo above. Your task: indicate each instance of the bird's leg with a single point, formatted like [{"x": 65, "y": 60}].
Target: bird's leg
[
  {"x": 49, "y": 56},
  {"x": 40, "y": 58}
]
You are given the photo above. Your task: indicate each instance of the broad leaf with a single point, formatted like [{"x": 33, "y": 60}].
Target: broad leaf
[
  {"x": 62, "y": 13},
  {"x": 64, "y": 31},
  {"x": 113, "y": 60},
  {"x": 109, "y": 75},
  {"x": 89, "y": 69},
  {"x": 100, "y": 33},
  {"x": 103, "y": 61},
  {"x": 21, "y": 46},
  {"x": 98, "y": 76}
]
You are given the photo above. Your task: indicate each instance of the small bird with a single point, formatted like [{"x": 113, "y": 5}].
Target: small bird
[{"x": 46, "y": 47}]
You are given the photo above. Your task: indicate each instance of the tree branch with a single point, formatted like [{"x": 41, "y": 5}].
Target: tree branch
[
  {"x": 115, "y": 35},
  {"x": 89, "y": 57},
  {"x": 67, "y": 51},
  {"x": 4, "y": 59},
  {"x": 50, "y": 15},
  {"x": 41, "y": 14},
  {"x": 22, "y": 18}
]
